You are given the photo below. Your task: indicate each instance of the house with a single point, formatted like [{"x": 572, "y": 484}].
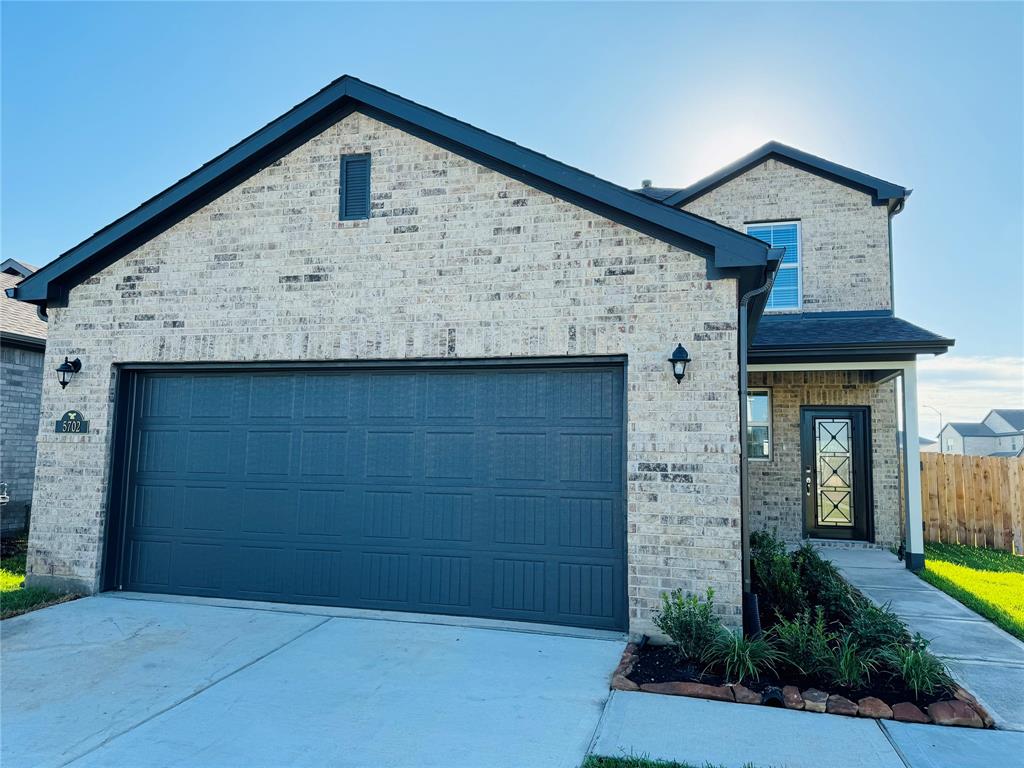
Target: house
[
  {"x": 375, "y": 357},
  {"x": 22, "y": 344},
  {"x": 1000, "y": 433},
  {"x": 928, "y": 445}
]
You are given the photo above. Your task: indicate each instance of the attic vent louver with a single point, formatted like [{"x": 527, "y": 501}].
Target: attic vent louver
[{"x": 355, "y": 187}]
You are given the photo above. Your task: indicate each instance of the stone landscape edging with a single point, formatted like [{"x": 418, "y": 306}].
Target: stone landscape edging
[{"x": 963, "y": 710}]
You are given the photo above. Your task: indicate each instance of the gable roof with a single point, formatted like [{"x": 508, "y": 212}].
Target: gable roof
[
  {"x": 728, "y": 252},
  {"x": 20, "y": 325},
  {"x": 970, "y": 429},
  {"x": 882, "y": 192},
  {"x": 841, "y": 336},
  {"x": 1013, "y": 416}
]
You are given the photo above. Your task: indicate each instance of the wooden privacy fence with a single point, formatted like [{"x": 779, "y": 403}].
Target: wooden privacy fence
[{"x": 975, "y": 500}]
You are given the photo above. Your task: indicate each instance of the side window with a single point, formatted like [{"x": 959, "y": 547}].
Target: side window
[
  {"x": 759, "y": 424},
  {"x": 355, "y": 187},
  {"x": 787, "y": 293}
]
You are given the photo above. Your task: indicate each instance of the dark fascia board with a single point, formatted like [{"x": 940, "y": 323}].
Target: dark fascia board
[
  {"x": 22, "y": 341},
  {"x": 882, "y": 192},
  {"x": 727, "y": 251}
]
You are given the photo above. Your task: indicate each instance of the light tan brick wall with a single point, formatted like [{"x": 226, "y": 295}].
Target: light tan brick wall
[
  {"x": 844, "y": 238},
  {"x": 457, "y": 261},
  {"x": 776, "y": 501}
]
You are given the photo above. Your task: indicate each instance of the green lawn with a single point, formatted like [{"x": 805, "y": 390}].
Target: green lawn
[
  {"x": 987, "y": 581},
  {"x": 14, "y": 598}
]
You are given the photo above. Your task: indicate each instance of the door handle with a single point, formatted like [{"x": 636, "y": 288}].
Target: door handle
[{"x": 807, "y": 481}]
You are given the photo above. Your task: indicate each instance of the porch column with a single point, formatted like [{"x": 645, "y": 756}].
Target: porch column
[{"x": 912, "y": 470}]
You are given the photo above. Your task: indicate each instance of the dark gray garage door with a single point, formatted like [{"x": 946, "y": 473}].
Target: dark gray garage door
[{"x": 492, "y": 492}]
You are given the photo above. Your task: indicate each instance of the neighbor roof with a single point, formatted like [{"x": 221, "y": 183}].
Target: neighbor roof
[
  {"x": 971, "y": 429},
  {"x": 728, "y": 252},
  {"x": 19, "y": 323},
  {"x": 882, "y": 192},
  {"x": 836, "y": 336},
  {"x": 1013, "y": 416}
]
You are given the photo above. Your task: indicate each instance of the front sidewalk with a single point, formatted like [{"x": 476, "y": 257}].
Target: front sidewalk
[
  {"x": 699, "y": 731},
  {"x": 986, "y": 660}
]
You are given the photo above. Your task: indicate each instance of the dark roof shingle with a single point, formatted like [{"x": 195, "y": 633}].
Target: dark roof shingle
[{"x": 842, "y": 333}]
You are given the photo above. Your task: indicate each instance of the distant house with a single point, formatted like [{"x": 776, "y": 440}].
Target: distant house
[
  {"x": 928, "y": 445},
  {"x": 22, "y": 344},
  {"x": 1000, "y": 433}
]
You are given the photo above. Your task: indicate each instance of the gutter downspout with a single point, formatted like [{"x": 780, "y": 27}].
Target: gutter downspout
[{"x": 751, "y": 615}]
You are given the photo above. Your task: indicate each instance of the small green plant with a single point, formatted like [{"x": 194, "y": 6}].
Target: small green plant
[
  {"x": 876, "y": 627},
  {"x": 804, "y": 641},
  {"x": 742, "y": 658},
  {"x": 776, "y": 581},
  {"x": 691, "y": 624},
  {"x": 848, "y": 665},
  {"x": 917, "y": 667}
]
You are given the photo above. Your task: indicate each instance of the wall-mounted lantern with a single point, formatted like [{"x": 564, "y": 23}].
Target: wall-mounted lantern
[
  {"x": 678, "y": 361},
  {"x": 67, "y": 370}
]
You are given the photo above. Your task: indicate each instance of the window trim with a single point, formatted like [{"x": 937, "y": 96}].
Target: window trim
[
  {"x": 767, "y": 391},
  {"x": 345, "y": 160},
  {"x": 799, "y": 266}
]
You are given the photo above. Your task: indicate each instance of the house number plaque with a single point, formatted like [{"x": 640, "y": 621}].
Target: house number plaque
[{"x": 72, "y": 423}]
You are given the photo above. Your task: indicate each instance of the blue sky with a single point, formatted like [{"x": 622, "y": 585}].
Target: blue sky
[{"x": 105, "y": 105}]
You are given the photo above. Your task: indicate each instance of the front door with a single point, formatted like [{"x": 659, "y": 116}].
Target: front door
[{"x": 836, "y": 472}]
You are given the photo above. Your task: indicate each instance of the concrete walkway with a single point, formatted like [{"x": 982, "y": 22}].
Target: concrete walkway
[
  {"x": 108, "y": 681},
  {"x": 734, "y": 735},
  {"x": 986, "y": 660}
]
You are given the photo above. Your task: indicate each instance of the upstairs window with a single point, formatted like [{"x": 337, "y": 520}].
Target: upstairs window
[
  {"x": 355, "y": 187},
  {"x": 787, "y": 292},
  {"x": 759, "y": 424}
]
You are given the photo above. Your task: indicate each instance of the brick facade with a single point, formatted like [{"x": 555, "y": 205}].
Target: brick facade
[
  {"x": 21, "y": 381},
  {"x": 844, "y": 238},
  {"x": 457, "y": 261},
  {"x": 775, "y": 485}
]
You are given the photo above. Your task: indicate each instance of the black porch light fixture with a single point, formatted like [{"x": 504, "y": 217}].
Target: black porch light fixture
[
  {"x": 679, "y": 359},
  {"x": 67, "y": 370}
]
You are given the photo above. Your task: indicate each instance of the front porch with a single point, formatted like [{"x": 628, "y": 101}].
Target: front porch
[
  {"x": 824, "y": 455},
  {"x": 832, "y": 439}
]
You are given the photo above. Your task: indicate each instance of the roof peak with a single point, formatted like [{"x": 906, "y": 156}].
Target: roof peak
[{"x": 882, "y": 192}]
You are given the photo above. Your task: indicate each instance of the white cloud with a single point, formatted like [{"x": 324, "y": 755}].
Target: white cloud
[{"x": 966, "y": 388}]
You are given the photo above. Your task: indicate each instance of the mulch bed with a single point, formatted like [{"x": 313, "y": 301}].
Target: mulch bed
[
  {"x": 659, "y": 664},
  {"x": 656, "y": 669}
]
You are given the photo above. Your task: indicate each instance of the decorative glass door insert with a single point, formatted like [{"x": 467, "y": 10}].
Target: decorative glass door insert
[{"x": 834, "y": 458}]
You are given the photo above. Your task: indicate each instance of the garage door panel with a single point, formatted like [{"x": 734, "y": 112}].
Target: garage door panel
[
  {"x": 324, "y": 452},
  {"x": 206, "y": 509},
  {"x": 490, "y": 491}
]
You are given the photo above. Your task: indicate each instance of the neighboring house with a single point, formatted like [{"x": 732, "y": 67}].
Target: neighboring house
[
  {"x": 22, "y": 344},
  {"x": 1000, "y": 433},
  {"x": 927, "y": 445},
  {"x": 375, "y": 357}
]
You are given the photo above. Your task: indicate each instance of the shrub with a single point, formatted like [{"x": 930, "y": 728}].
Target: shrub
[
  {"x": 825, "y": 586},
  {"x": 804, "y": 641},
  {"x": 847, "y": 665},
  {"x": 775, "y": 580},
  {"x": 742, "y": 658},
  {"x": 690, "y": 624},
  {"x": 877, "y": 628},
  {"x": 917, "y": 667}
]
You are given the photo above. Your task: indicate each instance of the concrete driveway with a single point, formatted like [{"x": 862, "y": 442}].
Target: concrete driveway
[{"x": 110, "y": 681}]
